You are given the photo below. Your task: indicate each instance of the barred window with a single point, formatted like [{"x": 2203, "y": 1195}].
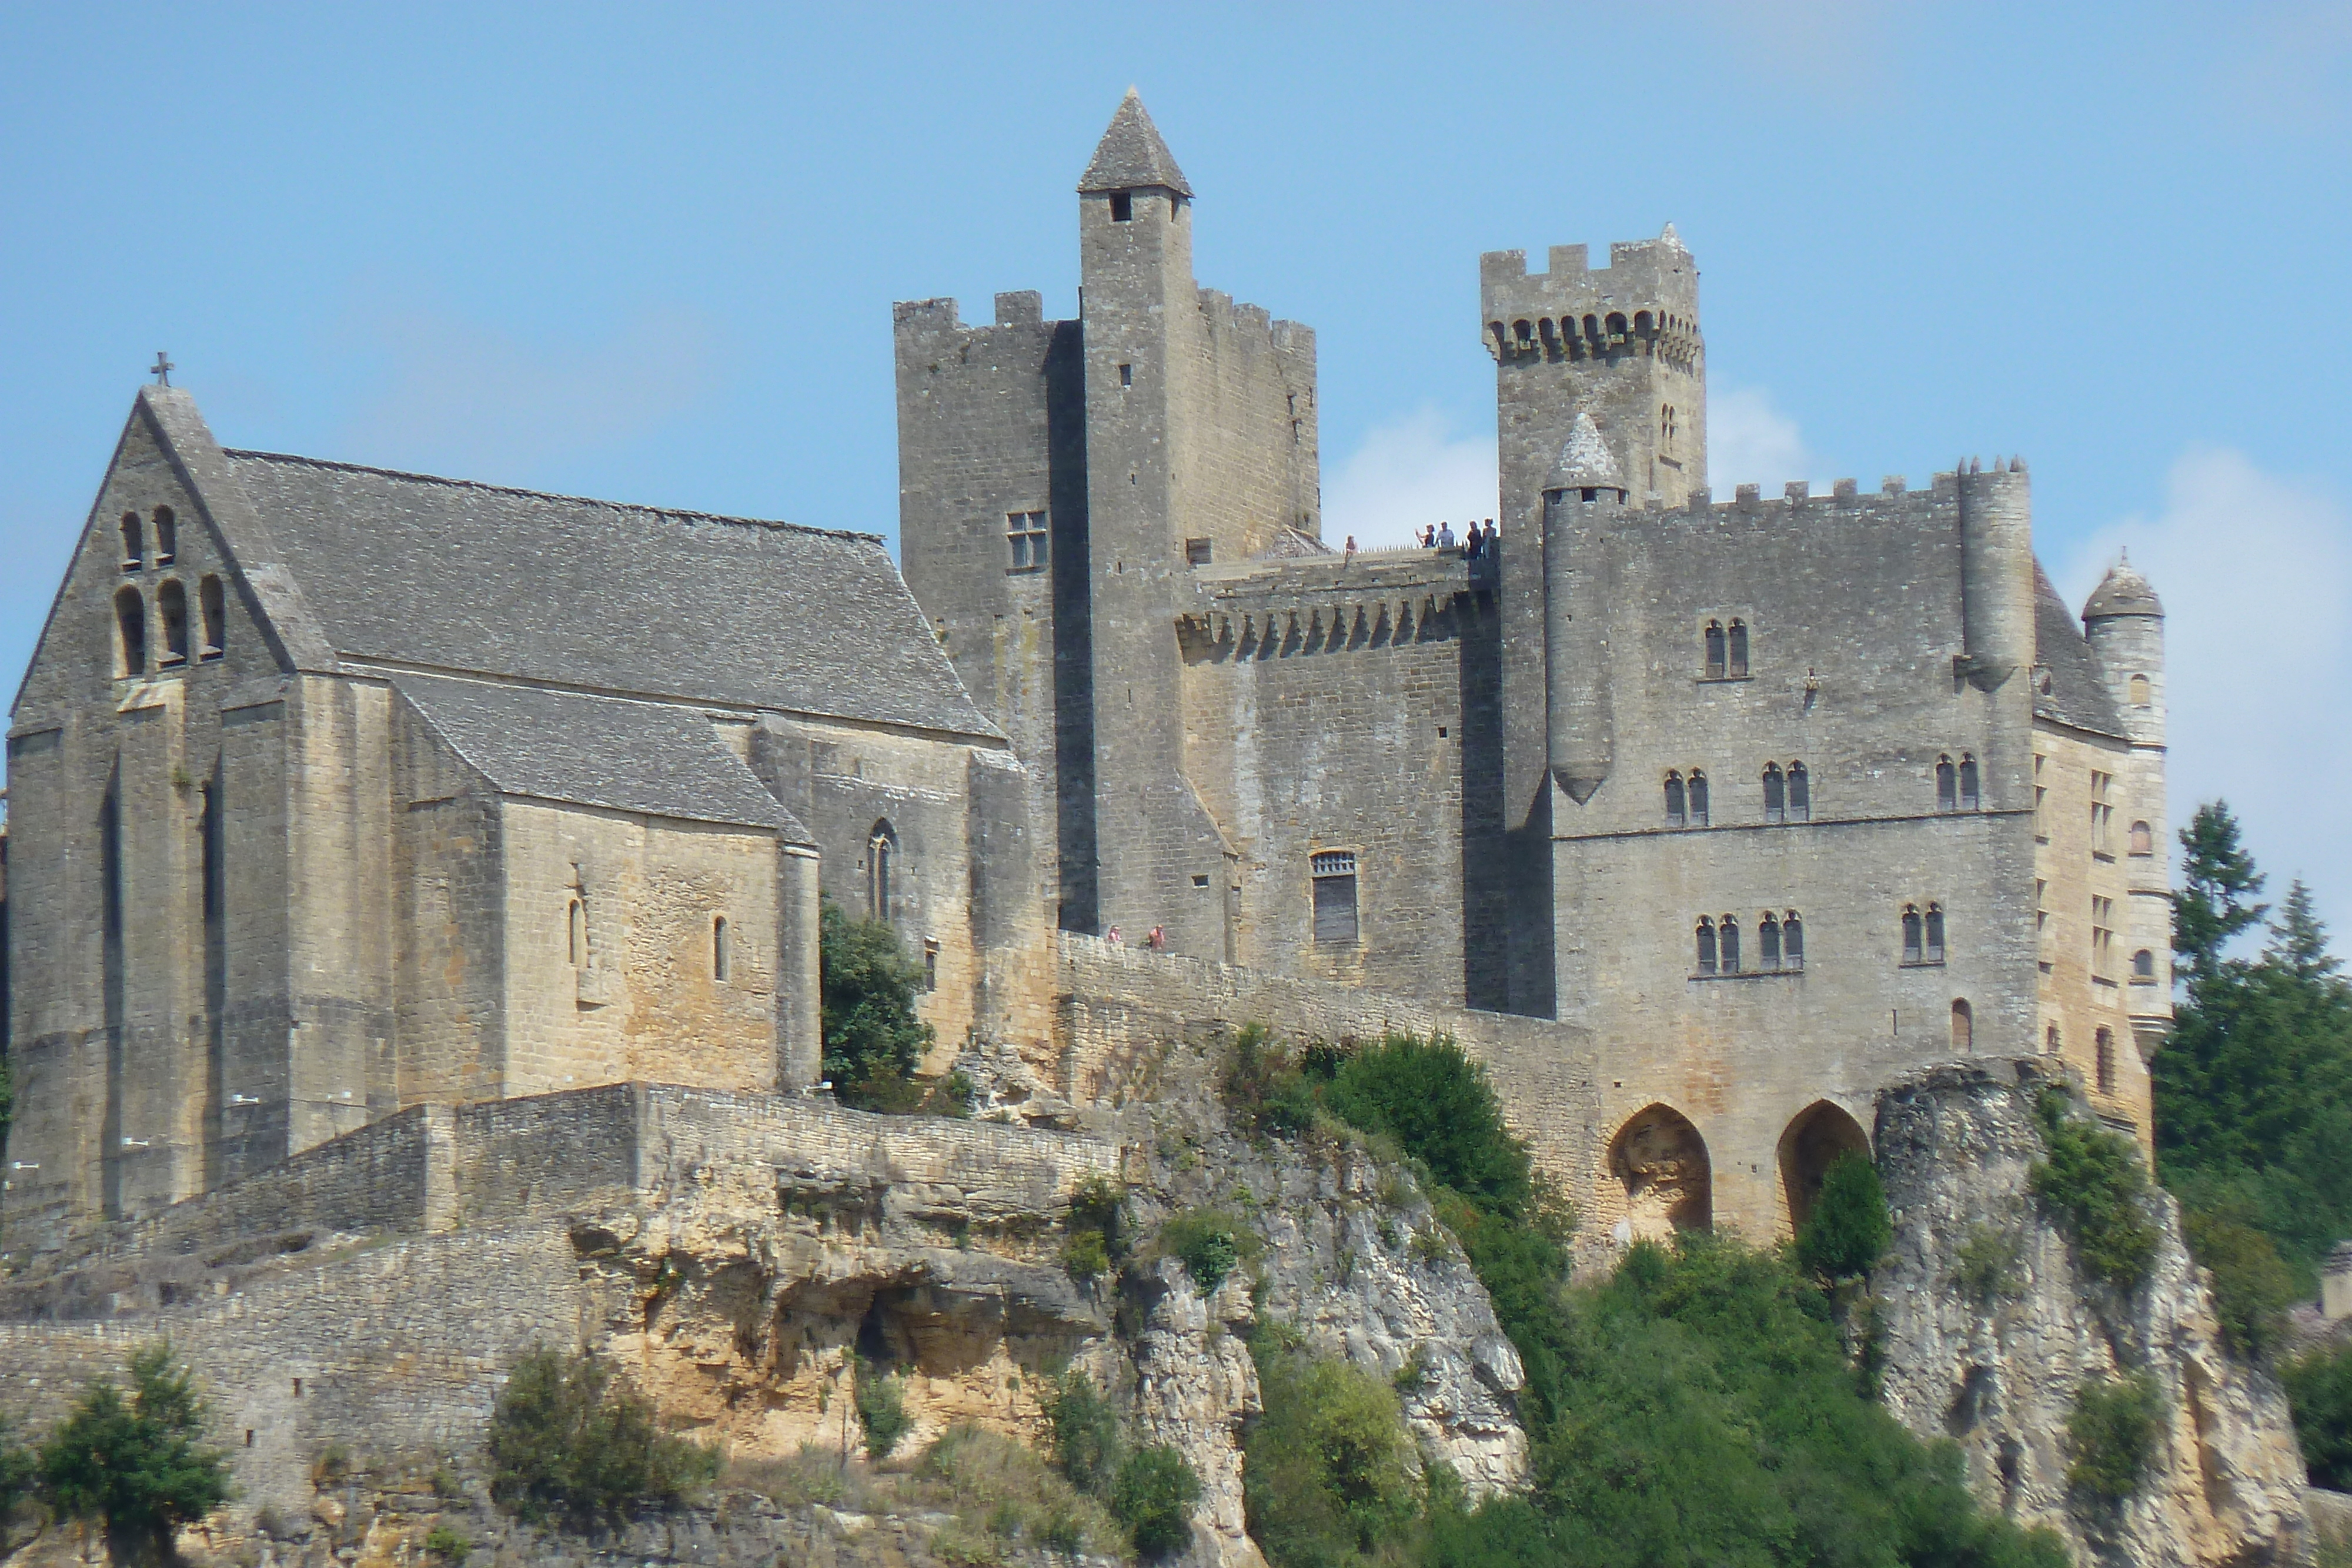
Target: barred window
[
  {"x": 1334, "y": 875},
  {"x": 1767, "y": 941},
  {"x": 1026, "y": 534},
  {"x": 2104, "y": 1064}
]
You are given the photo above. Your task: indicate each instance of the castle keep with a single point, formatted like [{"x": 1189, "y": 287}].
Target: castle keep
[{"x": 336, "y": 793}]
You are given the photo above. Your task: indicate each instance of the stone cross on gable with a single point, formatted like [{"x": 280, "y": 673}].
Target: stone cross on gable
[{"x": 163, "y": 367}]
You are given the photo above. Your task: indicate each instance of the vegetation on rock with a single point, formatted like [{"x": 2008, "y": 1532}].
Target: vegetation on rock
[
  {"x": 20, "y": 1469},
  {"x": 1330, "y": 1475},
  {"x": 2096, "y": 1187},
  {"x": 1209, "y": 1242},
  {"x": 1849, "y": 1229},
  {"x": 569, "y": 1440},
  {"x": 881, "y": 1400},
  {"x": 2319, "y": 1385},
  {"x": 2111, "y": 1436},
  {"x": 1096, "y": 1238},
  {"x": 139, "y": 1466},
  {"x": 872, "y": 1041},
  {"x": 1153, "y": 1496},
  {"x": 1086, "y": 1436}
]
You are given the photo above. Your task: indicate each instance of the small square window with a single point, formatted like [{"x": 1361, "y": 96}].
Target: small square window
[
  {"x": 1199, "y": 879},
  {"x": 1197, "y": 552},
  {"x": 1126, "y": 375},
  {"x": 1122, "y": 207}
]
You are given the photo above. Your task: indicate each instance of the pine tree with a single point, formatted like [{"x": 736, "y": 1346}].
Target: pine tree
[
  {"x": 2217, "y": 878},
  {"x": 2299, "y": 940}
]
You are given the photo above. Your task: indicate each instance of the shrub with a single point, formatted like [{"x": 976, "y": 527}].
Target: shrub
[
  {"x": 568, "y": 1440},
  {"x": 1085, "y": 1256},
  {"x": 2111, "y": 1436},
  {"x": 1265, "y": 1092},
  {"x": 2319, "y": 1389},
  {"x": 1087, "y": 1443},
  {"x": 1439, "y": 1106},
  {"x": 1326, "y": 1472},
  {"x": 1097, "y": 1226},
  {"x": 2253, "y": 1286},
  {"x": 1847, "y": 1232},
  {"x": 1153, "y": 1497},
  {"x": 136, "y": 1466},
  {"x": 19, "y": 1466},
  {"x": 1000, "y": 1490},
  {"x": 1989, "y": 1266},
  {"x": 881, "y": 1401},
  {"x": 448, "y": 1544},
  {"x": 872, "y": 1041},
  {"x": 2094, "y": 1183},
  {"x": 1209, "y": 1242}
]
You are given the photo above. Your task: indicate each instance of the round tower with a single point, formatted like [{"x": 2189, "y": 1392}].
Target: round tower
[
  {"x": 1582, "y": 498},
  {"x": 2124, "y": 620}
]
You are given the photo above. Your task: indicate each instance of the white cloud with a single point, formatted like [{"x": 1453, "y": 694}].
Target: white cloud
[
  {"x": 2255, "y": 571},
  {"x": 1750, "y": 442},
  {"x": 1406, "y": 474}
]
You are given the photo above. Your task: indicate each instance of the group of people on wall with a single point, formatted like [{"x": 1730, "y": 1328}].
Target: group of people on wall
[{"x": 1472, "y": 542}]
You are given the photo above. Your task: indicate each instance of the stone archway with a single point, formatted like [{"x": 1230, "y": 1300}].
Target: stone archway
[
  {"x": 1818, "y": 1134},
  {"x": 1661, "y": 1163}
]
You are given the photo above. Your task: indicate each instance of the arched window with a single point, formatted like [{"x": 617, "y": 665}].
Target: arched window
[
  {"x": 2104, "y": 1066},
  {"x": 1727, "y": 933},
  {"x": 1675, "y": 798},
  {"x": 1739, "y": 668},
  {"x": 2143, "y": 839},
  {"x": 2142, "y": 694},
  {"x": 214, "y": 611},
  {"x": 1912, "y": 947},
  {"x": 171, "y": 610},
  {"x": 1698, "y": 798},
  {"x": 167, "y": 535},
  {"x": 720, "y": 958},
  {"x": 1968, "y": 782},
  {"x": 1768, "y": 942},
  {"x": 1801, "y": 793},
  {"x": 1935, "y": 950},
  {"x": 1948, "y": 785},
  {"x": 1963, "y": 1027},
  {"x": 2144, "y": 965},
  {"x": 1616, "y": 323},
  {"x": 1792, "y": 941},
  {"x": 134, "y": 542},
  {"x": 881, "y": 852},
  {"x": 576, "y": 933},
  {"x": 131, "y": 626},
  {"x": 1706, "y": 946},
  {"x": 1715, "y": 649},
  {"x": 1640, "y": 320},
  {"x": 1776, "y": 794}
]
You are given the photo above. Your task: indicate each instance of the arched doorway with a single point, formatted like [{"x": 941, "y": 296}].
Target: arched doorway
[
  {"x": 1818, "y": 1134},
  {"x": 1661, "y": 1162}
]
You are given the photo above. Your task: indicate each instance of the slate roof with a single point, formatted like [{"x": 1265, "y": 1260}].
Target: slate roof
[
  {"x": 405, "y": 569},
  {"x": 1131, "y": 154},
  {"x": 2078, "y": 695},
  {"x": 2123, "y": 592},
  {"x": 1585, "y": 460},
  {"x": 654, "y": 757}
]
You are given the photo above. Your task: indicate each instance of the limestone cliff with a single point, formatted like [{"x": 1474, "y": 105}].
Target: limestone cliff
[{"x": 1990, "y": 1326}]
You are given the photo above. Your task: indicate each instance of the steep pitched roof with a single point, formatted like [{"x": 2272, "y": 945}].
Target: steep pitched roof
[
  {"x": 405, "y": 569},
  {"x": 654, "y": 757},
  {"x": 2078, "y": 695},
  {"x": 1131, "y": 154},
  {"x": 1585, "y": 460}
]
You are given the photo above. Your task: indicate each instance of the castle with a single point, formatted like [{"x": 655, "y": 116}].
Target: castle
[{"x": 336, "y": 792}]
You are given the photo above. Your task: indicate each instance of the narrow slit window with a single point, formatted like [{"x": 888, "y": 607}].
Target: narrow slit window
[
  {"x": 1792, "y": 941},
  {"x": 1697, "y": 793},
  {"x": 1913, "y": 947},
  {"x": 1776, "y": 794},
  {"x": 1737, "y": 668},
  {"x": 2104, "y": 1043},
  {"x": 1948, "y": 785},
  {"x": 172, "y": 612},
  {"x": 1028, "y": 539},
  {"x": 1706, "y": 946},
  {"x": 131, "y": 632},
  {"x": 134, "y": 542},
  {"x": 1768, "y": 942},
  {"x": 881, "y": 858},
  {"x": 930, "y": 964},
  {"x": 1968, "y": 782},
  {"x": 722, "y": 960},
  {"x": 213, "y": 609},
  {"x": 1801, "y": 793},
  {"x": 1677, "y": 805},
  {"x": 1935, "y": 952},
  {"x": 576, "y": 933},
  {"x": 1715, "y": 649},
  {"x": 1336, "y": 919},
  {"x": 1727, "y": 934},
  {"x": 1964, "y": 1026},
  {"x": 167, "y": 535}
]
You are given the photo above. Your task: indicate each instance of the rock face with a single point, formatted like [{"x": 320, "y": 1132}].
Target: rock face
[{"x": 1991, "y": 1327}]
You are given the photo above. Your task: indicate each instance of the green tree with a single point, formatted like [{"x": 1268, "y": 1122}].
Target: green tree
[
  {"x": 872, "y": 1041},
  {"x": 1087, "y": 1443},
  {"x": 2093, "y": 1181},
  {"x": 569, "y": 1439},
  {"x": 2217, "y": 881},
  {"x": 1327, "y": 1474},
  {"x": 2111, "y": 1436},
  {"x": 1439, "y": 1106},
  {"x": 1848, "y": 1231},
  {"x": 881, "y": 1401},
  {"x": 20, "y": 1466},
  {"x": 2319, "y": 1387},
  {"x": 1153, "y": 1497},
  {"x": 137, "y": 1467}
]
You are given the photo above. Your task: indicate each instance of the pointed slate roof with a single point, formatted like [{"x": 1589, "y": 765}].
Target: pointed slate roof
[
  {"x": 2078, "y": 695},
  {"x": 2123, "y": 592},
  {"x": 1585, "y": 460},
  {"x": 1131, "y": 154}
]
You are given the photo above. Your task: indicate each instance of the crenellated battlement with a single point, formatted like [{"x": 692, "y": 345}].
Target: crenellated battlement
[
  {"x": 1645, "y": 301},
  {"x": 1224, "y": 314},
  {"x": 1018, "y": 309}
]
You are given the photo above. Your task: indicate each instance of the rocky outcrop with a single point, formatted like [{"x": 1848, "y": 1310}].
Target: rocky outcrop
[{"x": 1991, "y": 1327}]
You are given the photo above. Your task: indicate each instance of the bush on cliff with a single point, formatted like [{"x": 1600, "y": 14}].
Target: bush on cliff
[
  {"x": 2094, "y": 1184},
  {"x": 872, "y": 1041},
  {"x": 1087, "y": 1442},
  {"x": 19, "y": 1468},
  {"x": 1327, "y": 1463},
  {"x": 2253, "y": 1286},
  {"x": 1153, "y": 1496},
  {"x": 2111, "y": 1436},
  {"x": 1211, "y": 1243},
  {"x": 2319, "y": 1387},
  {"x": 881, "y": 1400},
  {"x": 137, "y": 1467},
  {"x": 569, "y": 1440},
  {"x": 1848, "y": 1231}
]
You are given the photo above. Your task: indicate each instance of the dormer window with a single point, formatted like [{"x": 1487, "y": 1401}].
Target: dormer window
[{"x": 1122, "y": 206}]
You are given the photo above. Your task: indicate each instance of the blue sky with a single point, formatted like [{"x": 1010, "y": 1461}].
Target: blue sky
[{"x": 649, "y": 253}]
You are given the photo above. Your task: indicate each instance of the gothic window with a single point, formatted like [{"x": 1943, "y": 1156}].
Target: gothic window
[
  {"x": 1727, "y": 933},
  {"x": 1026, "y": 534},
  {"x": 2106, "y": 1064},
  {"x": 1697, "y": 793},
  {"x": 2142, "y": 694},
  {"x": 1715, "y": 649},
  {"x": 1792, "y": 941},
  {"x": 2143, "y": 839},
  {"x": 1914, "y": 950},
  {"x": 1334, "y": 874},
  {"x": 1122, "y": 206},
  {"x": 214, "y": 611},
  {"x": 881, "y": 855},
  {"x": 1948, "y": 785},
  {"x": 171, "y": 610},
  {"x": 2144, "y": 966},
  {"x": 167, "y": 535},
  {"x": 1706, "y": 946},
  {"x": 1935, "y": 932},
  {"x": 134, "y": 542},
  {"x": 1738, "y": 665},
  {"x": 1776, "y": 794},
  {"x": 1963, "y": 1027},
  {"x": 1801, "y": 793},
  {"x": 1968, "y": 782},
  {"x": 1768, "y": 942},
  {"x": 130, "y": 628},
  {"x": 721, "y": 960},
  {"x": 1675, "y": 802}
]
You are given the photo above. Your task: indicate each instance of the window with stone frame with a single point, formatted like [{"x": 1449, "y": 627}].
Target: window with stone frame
[
  {"x": 1801, "y": 793},
  {"x": 1028, "y": 542},
  {"x": 1714, "y": 650},
  {"x": 2143, "y": 839},
  {"x": 1695, "y": 792},
  {"x": 1726, "y": 942},
  {"x": 1706, "y": 948},
  {"x": 212, "y": 612},
  {"x": 1792, "y": 941},
  {"x": 1934, "y": 951},
  {"x": 2144, "y": 966},
  {"x": 1948, "y": 785},
  {"x": 1736, "y": 663},
  {"x": 1969, "y": 797},
  {"x": 881, "y": 872},
  {"x": 131, "y": 632},
  {"x": 1333, "y": 876},
  {"x": 167, "y": 535},
  {"x": 1678, "y": 802},
  {"x": 2103, "y": 937},
  {"x": 2102, "y": 814},
  {"x": 1776, "y": 793},
  {"x": 1767, "y": 941},
  {"x": 134, "y": 542},
  {"x": 2104, "y": 1059}
]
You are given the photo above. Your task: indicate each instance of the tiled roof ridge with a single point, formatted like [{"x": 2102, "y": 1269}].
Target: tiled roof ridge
[{"x": 484, "y": 485}]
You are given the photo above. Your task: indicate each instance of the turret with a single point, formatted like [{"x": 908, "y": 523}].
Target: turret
[
  {"x": 2124, "y": 622},
  {"x": 1582, "y": 499},
  {"x": 1996, "y": 573}
]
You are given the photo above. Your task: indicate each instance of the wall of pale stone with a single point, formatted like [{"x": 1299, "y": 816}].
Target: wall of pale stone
[{"x": 2082, "y": 992}]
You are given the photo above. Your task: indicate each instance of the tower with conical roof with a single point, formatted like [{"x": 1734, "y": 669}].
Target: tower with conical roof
[{"x": 2123, "y": 621}]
